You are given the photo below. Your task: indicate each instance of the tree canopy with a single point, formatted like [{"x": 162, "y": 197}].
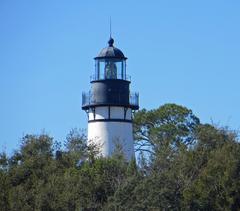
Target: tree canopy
[{"x": 182, "y": 165}]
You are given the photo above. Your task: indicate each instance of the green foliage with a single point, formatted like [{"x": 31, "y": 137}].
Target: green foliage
[
  {"x": 4, "y": 182},
  {"x": 169, "y": 126},
  {"x": 189, "y": 166},
  {"x": 217, "y": 171}
]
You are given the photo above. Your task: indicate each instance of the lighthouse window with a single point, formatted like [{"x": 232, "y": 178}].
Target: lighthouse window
[
  {"x": 97, "y": 70},
  {"x": 110, "y": 69}
]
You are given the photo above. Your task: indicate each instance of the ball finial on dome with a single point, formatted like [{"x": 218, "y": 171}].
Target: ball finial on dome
[{"x": 110, "y": 42}]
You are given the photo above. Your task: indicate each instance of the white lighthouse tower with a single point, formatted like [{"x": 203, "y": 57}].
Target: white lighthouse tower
[{"x": 109, "y": 104}]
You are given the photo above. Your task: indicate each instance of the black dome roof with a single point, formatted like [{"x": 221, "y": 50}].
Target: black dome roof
[{"x": 111, "y": 52}]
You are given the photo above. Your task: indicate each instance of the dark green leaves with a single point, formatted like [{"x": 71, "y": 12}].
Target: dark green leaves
[{"x": 189, "y": 166}]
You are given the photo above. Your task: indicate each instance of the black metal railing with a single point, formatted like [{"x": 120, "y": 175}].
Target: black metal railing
[
  {"x": 134, "y": 98},
  {"x": 88, "y": 99},
  {"x": 104, "y": 77}
]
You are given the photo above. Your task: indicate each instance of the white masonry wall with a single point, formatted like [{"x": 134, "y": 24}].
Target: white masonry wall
[{"x": 107, "y": 134}]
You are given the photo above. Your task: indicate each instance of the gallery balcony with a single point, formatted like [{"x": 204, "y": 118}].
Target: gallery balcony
[
  {"x": 90, "y": 100},
  {"x": 96, "y": 77}
]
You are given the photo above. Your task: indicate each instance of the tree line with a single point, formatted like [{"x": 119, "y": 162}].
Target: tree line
[{"x": 181, "y": 164}]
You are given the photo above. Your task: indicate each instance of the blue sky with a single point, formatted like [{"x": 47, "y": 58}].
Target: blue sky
[{"x": 184, "y": 52}]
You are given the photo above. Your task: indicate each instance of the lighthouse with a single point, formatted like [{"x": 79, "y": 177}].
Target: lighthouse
[{"x": 109, "y": 104}]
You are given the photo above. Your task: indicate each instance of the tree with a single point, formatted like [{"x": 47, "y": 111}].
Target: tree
[
  {"x": 213, "y": 171},
  {"x": 29, "y": 168},
  {"x": 191, "y": 166},
  {"x": 4, "y": 182},
  {"x": 170, "y": 124}
]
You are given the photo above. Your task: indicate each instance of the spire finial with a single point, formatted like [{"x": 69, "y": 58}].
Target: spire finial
[
  {"x": 110, "y": 27},
  {"x": 111, "y": 40}
]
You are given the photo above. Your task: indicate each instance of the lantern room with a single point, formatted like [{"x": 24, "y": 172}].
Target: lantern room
[
  {"x": 110, "y": 64},
  {"x": 110, "y": 84}
]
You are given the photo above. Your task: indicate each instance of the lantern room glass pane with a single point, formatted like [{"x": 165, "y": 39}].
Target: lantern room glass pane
[{"x": 110, "y": 69}]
